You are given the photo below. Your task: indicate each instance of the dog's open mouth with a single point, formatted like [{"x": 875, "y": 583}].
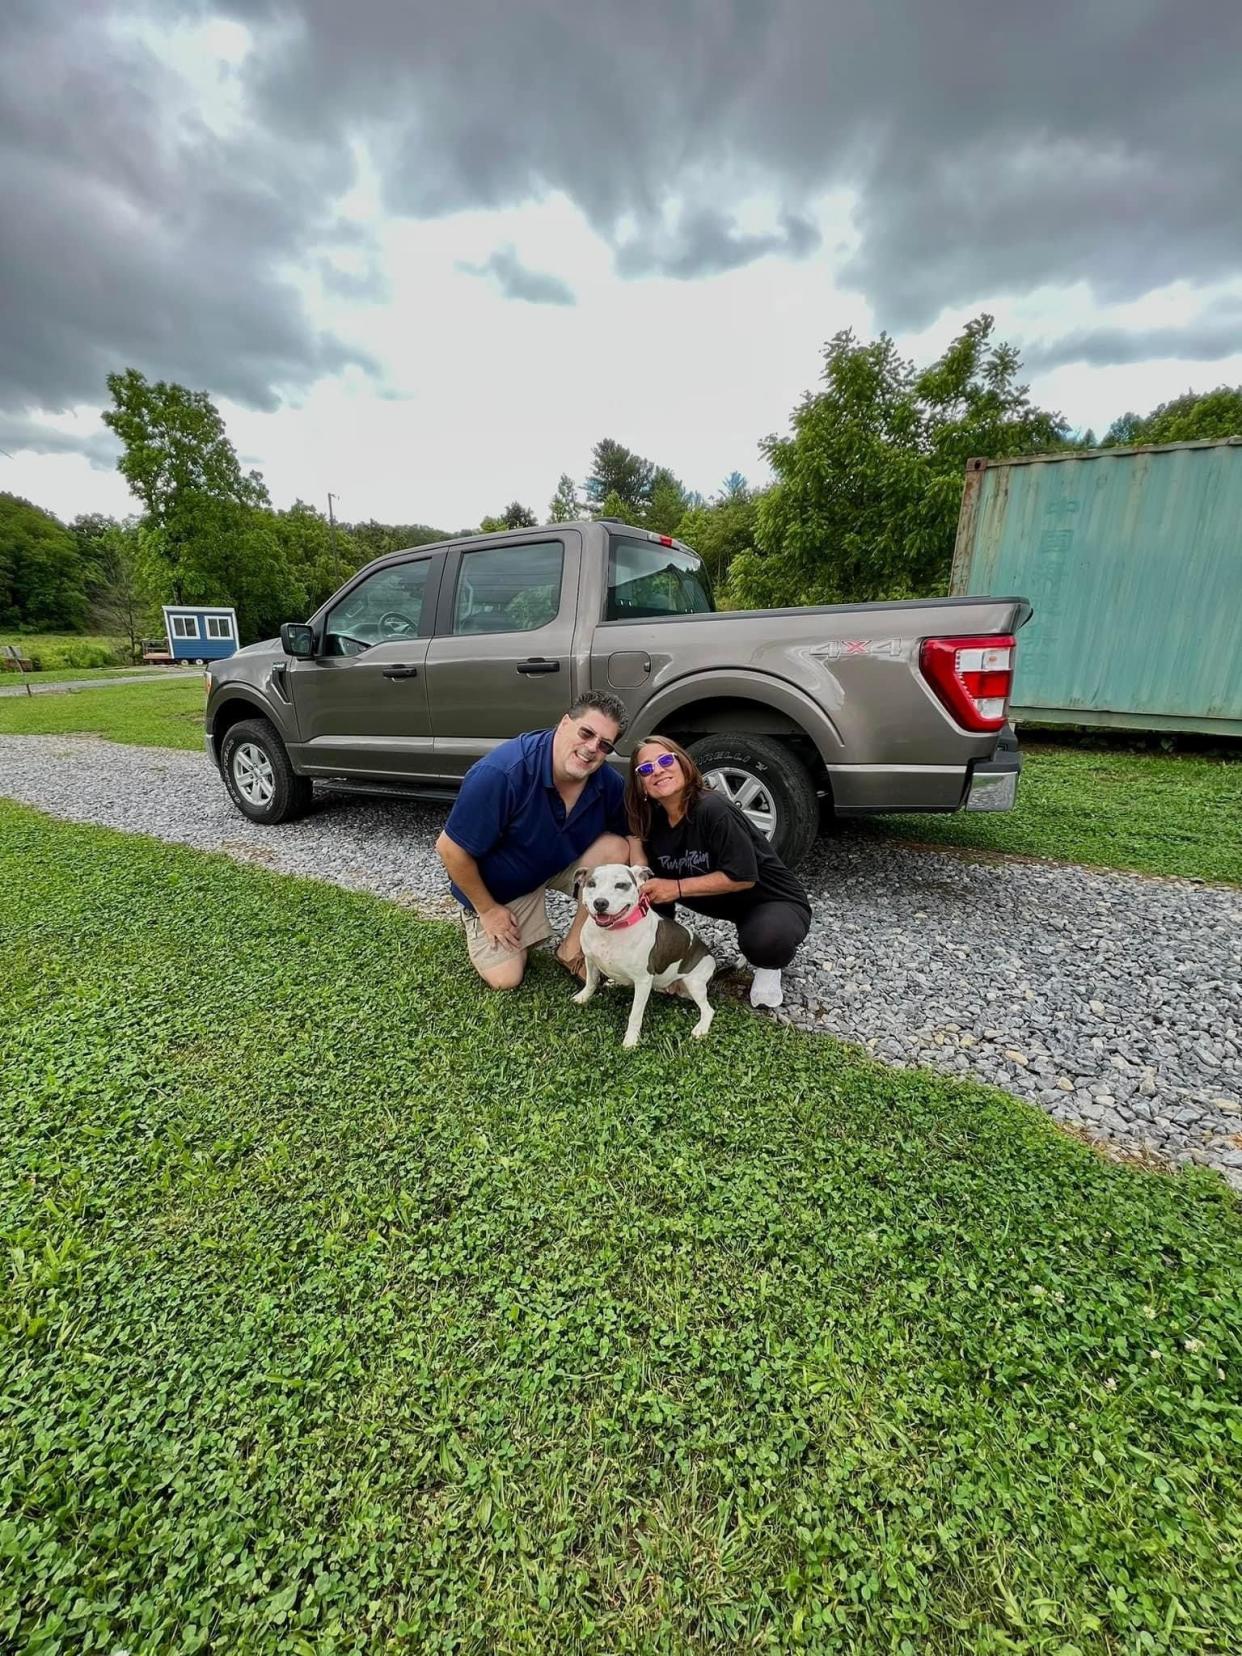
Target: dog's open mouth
[{"x": 622, "y": 917}]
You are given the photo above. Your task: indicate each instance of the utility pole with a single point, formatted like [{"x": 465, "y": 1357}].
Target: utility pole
[{"x": 336, "y": 562}]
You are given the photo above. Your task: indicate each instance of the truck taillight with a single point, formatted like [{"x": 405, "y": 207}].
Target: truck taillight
[{"x": 972, "y": 676}]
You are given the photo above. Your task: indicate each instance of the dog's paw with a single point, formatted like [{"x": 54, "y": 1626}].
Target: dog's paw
[
  {"x": 701, "y": 1028},
  {"x": 630, "y": 1042},
  {"x": 581, "y": 998}
]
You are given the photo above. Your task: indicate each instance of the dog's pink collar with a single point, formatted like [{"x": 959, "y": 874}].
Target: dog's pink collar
[{"x": 618, "y": 922}]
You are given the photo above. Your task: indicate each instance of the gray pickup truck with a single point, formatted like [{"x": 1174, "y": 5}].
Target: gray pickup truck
[{"x": 426, "y": 659}]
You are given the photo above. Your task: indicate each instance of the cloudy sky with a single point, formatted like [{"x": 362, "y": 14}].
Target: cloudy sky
[{"x": 425, "y": 255}]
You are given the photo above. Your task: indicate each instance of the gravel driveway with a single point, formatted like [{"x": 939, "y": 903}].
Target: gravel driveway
[{"x": 1113, "y": 1001}]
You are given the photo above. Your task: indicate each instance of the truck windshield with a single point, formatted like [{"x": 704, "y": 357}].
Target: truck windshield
[{"x": 647, "y": 579}]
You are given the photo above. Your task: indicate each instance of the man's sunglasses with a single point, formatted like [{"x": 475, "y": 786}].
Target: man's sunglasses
[
  {"x": 648, "y": 766},
  {"x": 587, "y": 737}
]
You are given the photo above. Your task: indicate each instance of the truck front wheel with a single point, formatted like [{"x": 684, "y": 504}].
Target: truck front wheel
[
  {"x": 770, "y": 786},
  {"x": 258, "y": 776}
]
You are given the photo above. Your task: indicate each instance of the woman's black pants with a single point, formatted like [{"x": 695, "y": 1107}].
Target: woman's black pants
[{"x": 768, "y": 931}]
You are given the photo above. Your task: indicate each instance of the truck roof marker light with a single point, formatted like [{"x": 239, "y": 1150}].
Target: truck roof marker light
[
  {"x": 973, "y": 677},
  {"x": 666, "y": 540}
]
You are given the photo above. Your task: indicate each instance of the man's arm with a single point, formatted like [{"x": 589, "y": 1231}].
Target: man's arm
[{"x": 496, "y": 920}]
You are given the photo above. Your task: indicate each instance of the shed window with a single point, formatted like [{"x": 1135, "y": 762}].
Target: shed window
[
  {"x": 185, "y": 626},
  {"x": 219, "y": 626}
]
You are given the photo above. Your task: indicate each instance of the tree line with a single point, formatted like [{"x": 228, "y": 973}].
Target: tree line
[{"x": 863, "y": 503}]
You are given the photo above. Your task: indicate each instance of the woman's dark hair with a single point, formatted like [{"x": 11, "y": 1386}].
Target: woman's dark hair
[{"x": 638, "y": 806}]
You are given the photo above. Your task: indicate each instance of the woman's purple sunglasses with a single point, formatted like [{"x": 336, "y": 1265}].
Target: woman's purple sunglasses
[{"x": 647, "y": 768}]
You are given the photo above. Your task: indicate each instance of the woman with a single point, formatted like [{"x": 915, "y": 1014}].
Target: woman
[{"x": 706, "y": 854}]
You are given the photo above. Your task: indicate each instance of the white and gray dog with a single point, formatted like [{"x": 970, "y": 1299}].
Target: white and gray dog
[{"x": 625, "y": 940}]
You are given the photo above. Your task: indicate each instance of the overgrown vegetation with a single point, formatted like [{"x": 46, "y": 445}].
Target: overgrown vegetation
[
  {"x": 58, "y": 652},
  {"x": 349, "y": 1307},
  {"x": 1186, "y": 419}
]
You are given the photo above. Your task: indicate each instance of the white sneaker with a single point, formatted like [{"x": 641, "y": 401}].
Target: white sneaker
[{"x": 766, "y": 989}]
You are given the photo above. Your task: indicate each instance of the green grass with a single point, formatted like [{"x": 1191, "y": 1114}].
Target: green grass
[
  {"x": 84, "y": 675},
  {"x": 53, "y": 652},
  {"x": 163, "y": 714},
  {"x": 1154, "y": 813},
  {"x": 349, "y": 1307}
]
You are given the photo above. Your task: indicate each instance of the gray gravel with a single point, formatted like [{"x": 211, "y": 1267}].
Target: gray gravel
[{"x": 1113, "y": 1001}]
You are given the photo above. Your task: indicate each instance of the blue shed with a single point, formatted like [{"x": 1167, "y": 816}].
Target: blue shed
[{"x": 200, "y": 632}]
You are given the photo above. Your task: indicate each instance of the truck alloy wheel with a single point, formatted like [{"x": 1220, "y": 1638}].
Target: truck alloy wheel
[
  {"x": 257, "y": 773},
  {"x": 769, "y": 784}
]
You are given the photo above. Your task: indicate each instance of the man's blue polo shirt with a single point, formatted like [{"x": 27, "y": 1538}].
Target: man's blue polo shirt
[{"x": 512, "y": 821}]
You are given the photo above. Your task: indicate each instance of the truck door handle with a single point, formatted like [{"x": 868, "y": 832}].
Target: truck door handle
[
  {"x": 537, "y": 664},
  {"x": 400, "y": 672}
]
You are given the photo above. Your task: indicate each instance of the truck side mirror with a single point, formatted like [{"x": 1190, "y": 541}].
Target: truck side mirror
[{"x": 297, "y": 639}]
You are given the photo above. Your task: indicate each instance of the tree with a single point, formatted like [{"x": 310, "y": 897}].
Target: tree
[
  {"x": 181, "y": 466},
  {"x": 41, "y": 577},
  {"x": 667, "y": 503},
  {"x": 719, "y": 532},
  {"x": 564, "y": 507},
  {"x": 514, "y": 516},
  {"x": 734, "y": 487},
  {"x": 376, "y": 540},
  {"x": 868, "y": 484},
  {"x": 1192, "y": 417},
  {"x": 319, "y": 558},
  {"x": 122, "y": 603},
  {"x": 618, "y": 470},
  {"x": 175, "y": 445},
  {"x": 210, "y": 535},
  {"x": 612, "y": 506}
]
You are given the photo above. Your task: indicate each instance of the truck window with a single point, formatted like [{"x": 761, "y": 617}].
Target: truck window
[
  {"x": 386, "y": 606},
  {"x": 646, "y": 579},
  {"x": 504, "y": 589}
]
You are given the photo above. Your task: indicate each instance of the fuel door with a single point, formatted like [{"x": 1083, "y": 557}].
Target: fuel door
[{"x": 627, "y": 669}]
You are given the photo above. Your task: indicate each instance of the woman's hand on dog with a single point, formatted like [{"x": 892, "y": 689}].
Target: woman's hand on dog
[
  {"x": 501, "y": 927},
  {"x": 661, "y": 891}
]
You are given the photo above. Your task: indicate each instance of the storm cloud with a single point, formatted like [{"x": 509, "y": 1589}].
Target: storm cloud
[
  {"x": 704, "y": 243},
  {"x": 99, "y": 447},
  {"x": 137, "y": 236},
  {"x": 1216, "y": 333},
  {"x": 988, "y": 152},
  {"x": 516, "y": 281}
]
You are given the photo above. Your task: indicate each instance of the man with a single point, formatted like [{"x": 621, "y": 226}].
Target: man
[{"x": 529, "y": 814}]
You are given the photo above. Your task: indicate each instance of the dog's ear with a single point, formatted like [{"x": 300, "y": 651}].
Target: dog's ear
[
  {"x": 580, "y": 876},
  {"x": 642, "y": 873}
]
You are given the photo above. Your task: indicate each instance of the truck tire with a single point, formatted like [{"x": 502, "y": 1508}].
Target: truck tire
[
  {"x": 258, "y": 776},
  {"x": 769, "y": 784}
]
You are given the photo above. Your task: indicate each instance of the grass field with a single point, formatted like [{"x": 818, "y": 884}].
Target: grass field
[
  {"x": 350, "y": 1308},
  {"x": 85, "y": 675},
  {"x": 60, "y": 651},
  {"x": 165, "y": 713},
  {"x": 1155, "y": 813}
]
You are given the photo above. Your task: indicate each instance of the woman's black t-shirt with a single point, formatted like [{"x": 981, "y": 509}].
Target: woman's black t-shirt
[{"x": 715, "y": 838}]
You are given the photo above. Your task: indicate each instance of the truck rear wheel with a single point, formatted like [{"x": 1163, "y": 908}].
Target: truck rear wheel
[
  {"x": 258, "y": 776},
  {"x": 770, "y": 786}
]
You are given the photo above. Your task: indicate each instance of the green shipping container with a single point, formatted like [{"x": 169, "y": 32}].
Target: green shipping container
[{"x": 1132, "y": 558}]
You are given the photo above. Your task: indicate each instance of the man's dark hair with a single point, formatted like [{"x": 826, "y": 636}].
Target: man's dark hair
[{"x": 612, "y": 707}]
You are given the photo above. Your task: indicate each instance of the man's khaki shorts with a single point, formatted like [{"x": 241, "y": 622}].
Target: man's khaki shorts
[{"x": 531, "y": 914}]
